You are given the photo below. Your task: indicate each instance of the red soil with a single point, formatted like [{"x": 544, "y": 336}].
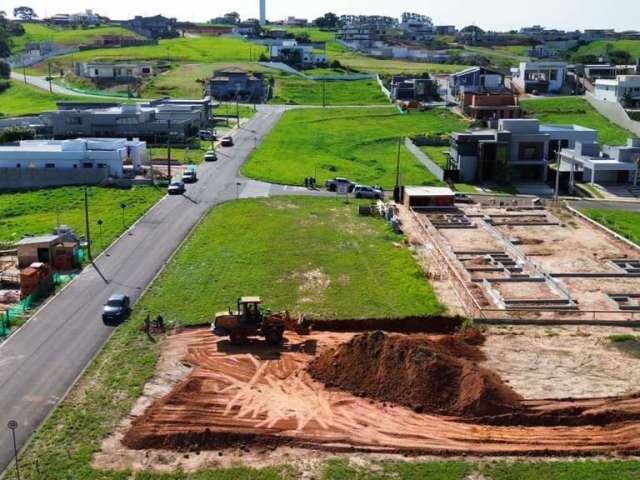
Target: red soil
[
  {"x": 264, "y": 396},
  {"x": 435, "y": 376}
]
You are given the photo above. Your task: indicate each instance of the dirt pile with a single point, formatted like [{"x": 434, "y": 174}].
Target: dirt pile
[{"x": 428, "y": 375}]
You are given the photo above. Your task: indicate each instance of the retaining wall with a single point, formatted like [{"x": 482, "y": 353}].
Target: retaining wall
[
  {"x": 425, "y": 160},
  {"x": 28, "y": 178}
]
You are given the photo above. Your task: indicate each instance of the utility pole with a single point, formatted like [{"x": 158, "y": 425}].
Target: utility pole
[
  {"x": 396, "y": 190},
  {"x": 557, "y": 191},
  {"x": 13, "y": 425},
  {"x": 24, "y": 71},
  {"x": 86, "y": 222},
  {"x": 169, "y": 149},
  {"x": 324, "y": 93},
  {"x": 49, "y": 77}
]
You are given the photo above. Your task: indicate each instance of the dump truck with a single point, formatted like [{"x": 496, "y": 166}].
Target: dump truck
[{"x": 251, "y": 320}]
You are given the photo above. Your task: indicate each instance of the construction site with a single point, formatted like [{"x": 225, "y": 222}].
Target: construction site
[{"x": 535, "y": 376}]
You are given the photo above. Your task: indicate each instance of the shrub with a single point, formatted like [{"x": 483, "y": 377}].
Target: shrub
[
  {"x": 5, "y": 70},
  {"x": 14, "y": 134}
]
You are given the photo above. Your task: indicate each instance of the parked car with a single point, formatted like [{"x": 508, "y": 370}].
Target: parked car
[
  {"x": 190, "y": 176},
  {"x": 210, "y": 156},
  {"x": 117, "y": 309},
  {"x": 462, "y": 198},
  {"x": 364, "y": 191},
  {"x": 227, "y": 141},
  {"x": 176, "y": 188},
  {"x": 207, "y": 135},
  {"x": 332, "y": 185}
]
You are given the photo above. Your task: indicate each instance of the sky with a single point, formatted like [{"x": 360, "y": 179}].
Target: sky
[{"x": 487, "y": 14}]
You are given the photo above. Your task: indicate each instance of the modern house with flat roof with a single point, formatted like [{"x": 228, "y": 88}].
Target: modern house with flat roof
[
  {"x": 125, "y": 72},
  {"x": 491, "y": 105},
  {"x": 595, "y": 163},
  {"x": 519, "y": 149},
  {"x": 540, "y": 77},
  {"x": 108, "y": 153},
  {"x": 620, "y": 89},
  {"x": 475, "y": 79},
  {"x": 180, "y": 119}
]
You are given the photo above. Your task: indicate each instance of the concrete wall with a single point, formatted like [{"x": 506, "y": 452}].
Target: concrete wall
[{"x": 27, "y": 178}]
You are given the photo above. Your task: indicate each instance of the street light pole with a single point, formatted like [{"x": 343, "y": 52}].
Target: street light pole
[
  {"x": 86, "y": 223},
  {"x": 49, "y": 78},
  {"x": 169, "y": 149},
  {"x": 99, "y": 222},
  {"x": 13, "y": 425},
  {"x": 123, "y": 206},
  {"x": 557, "y": 191}
]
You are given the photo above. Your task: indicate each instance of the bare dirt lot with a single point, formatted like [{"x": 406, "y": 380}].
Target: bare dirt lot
[{"x": 244, "y": 402}]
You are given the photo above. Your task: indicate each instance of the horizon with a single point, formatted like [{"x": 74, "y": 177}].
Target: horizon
[{"x": 593, "y": 14}]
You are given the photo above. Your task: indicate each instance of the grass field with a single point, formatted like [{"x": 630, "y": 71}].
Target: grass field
[
  {"x": 437, "y": 154},
  {"x": 574, "y": 110},
  {"x": 200, "y": 49},
  {"x": 367, "y": 64},
  {"x": 359, "y": 144},
  {"x": 37, "y": 33},
  {"x": 36, "y": 212},
  {"x": 600, "y": 47},
  {"x": 625, "y": 223},
  {"x": 21, "y": 100},
  {"x": 298, "y": 91}
]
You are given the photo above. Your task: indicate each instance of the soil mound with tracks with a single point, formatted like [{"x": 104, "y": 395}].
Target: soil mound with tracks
[{"x": 429, "y": 375}]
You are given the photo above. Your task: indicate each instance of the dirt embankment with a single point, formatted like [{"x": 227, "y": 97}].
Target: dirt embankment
[{"x": 428, "y": 375}]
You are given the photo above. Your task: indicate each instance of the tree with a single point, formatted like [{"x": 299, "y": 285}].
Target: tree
[
  {"x": 25, "y": 13},
  {"x": 15, "y": 134},
  {"x": 5, "y": 70},
  {"x": 232, "y": 18},
  {"x": 619, "y": 57},
  {"x": 328, "y": 20}
]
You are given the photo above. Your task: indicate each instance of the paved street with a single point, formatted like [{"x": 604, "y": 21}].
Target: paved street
[{"x": 44, "y": 358}]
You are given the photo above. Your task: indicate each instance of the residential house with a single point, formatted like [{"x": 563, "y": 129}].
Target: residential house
[
  {"x": 85, "y": 19},
  {"x": 296, "y": 22},
  {"x": 413, "y": 89},
  {"x": 605, "y": 71},
  {"x": 122, "y": 72},
  {"x": 295, "y": 55},
  {"x": 491, "y": 105},
  {"x": 416, "y": 27},
  {"x": 151, "y": 122},
  {"x": 519, "y": 149},
  {"x": 109, "y": 153},
  {"x": 235, "y": 83},
  {"x": 475, "y": 79},
  {"x": 157, "y": 26},
  {"x": 364, "y": 32},
  {"x": 594, "y": 163},
  {"x": 448, "y": 30},
  {"x": 624, "y": 89},
  {"x": 539, "y": 77}
]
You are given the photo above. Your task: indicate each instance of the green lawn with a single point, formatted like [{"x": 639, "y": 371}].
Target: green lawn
[
  {"x": 298, "y": 91},
  {"x": 438, "y": 155},
  {"x": 437, "y": 470},
  {"x": 625, "y": 223},
  {"x": 200, "y": 49},
  {"x": 37, "y": 33},
  {"x": 22, "y": 100},
  {"x": 600, "y": 47},
  {"x": 368, "y": 64},
  {"x": 36, "y": 212},
  {"x": 574, "y": 110},
  {"x": 359, "y": 144}
]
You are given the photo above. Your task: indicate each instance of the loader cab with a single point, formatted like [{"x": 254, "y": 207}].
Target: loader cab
[{"x": 249, "y": 310}]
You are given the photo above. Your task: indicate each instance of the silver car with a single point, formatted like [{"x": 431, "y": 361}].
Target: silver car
[{"x": 364, "y": 191}]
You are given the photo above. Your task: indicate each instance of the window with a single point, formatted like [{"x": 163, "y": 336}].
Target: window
[
  {"x": 101, "y": 165},
  {"x": 87, "y": 165},
  {"x": 73, "y": 120},
  {"x": 18, "y": 165},
  {"x": 553, "y": 75},
  {"x": 50, "y": 165},
  {"x": 530, "y": 151}
]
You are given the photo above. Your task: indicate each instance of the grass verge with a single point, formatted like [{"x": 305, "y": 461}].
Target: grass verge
[
  {"x": 298, "y": 91},
  {"x": 625, "y": 223},
  {"x": 437, "y": 155},
  {"x": 360, "y": 144}
]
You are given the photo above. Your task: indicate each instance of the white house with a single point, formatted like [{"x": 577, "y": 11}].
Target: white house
[
  {"x": 128, "y": 71},
  {"x": 615, "y": 90},
  {"x": 540, "y": 77},
  {"x": 80, "y": 153}
]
